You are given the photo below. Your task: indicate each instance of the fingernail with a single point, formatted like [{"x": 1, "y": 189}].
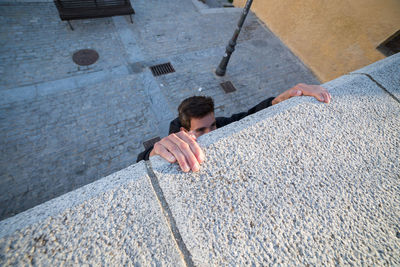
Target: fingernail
[
  {"x": 196, "y": 167},
  {"x": 201, "y": 157},
  {"x": 185, "y": 168},
  {"x": 298, "y": 92}
]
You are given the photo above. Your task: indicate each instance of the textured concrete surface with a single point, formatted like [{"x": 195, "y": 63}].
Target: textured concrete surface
[
  {"x": 301, "y": 183},
  {"x": 386, "y": 73},
  {"x": 115, "y": 221},
  {"x": 63, "y": 126}
]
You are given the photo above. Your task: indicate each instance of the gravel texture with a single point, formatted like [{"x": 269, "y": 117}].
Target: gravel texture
[
  {"x": 386, "y": 73},
  {"x": 115, "y": 221}
]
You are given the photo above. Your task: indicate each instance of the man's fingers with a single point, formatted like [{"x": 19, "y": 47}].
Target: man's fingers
[
  {"x": 185, "y": 148},
  {"x": 163, "y": 152},
  {"x": 321, "y": 97},
  {"x": 327, "y": 98},
  {"x": 173, "y": 148},
  {"x": 194, "y": 146},
  {"x": 317, "y": 91},
  {"x": 192, "y": 135}
]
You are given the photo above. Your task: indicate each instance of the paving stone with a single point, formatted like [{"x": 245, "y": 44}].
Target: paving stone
[
  {"x": 19, "y": 94},
  {"x": 129, "y": 40},
  {"x": 50, "y": 56},
  {"x": 300, "y": 183}
]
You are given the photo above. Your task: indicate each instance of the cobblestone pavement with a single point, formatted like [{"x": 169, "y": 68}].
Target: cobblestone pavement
[
  {"x": 36, "y": 46},
  {"x": 63, "y": 126}
]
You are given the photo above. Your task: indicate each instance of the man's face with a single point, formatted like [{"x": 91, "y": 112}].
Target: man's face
[{"x": 204, "y": 125}]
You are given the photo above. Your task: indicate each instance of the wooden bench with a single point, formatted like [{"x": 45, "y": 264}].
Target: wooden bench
[{"x": 87, "y": 9}]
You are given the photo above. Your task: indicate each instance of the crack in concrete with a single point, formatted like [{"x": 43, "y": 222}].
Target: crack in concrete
[
  {"x": 187, "y": 257},
  {"x": 378, "y": 84}
]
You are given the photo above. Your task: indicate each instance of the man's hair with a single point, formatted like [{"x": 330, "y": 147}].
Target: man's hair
[{"x": 194, "y": 107}]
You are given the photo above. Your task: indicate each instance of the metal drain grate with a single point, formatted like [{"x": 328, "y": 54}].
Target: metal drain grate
[
  {"x": 162, "y": 69},
  {"x": 228, "y": 87},
  {"x": 151, "y": 142}
]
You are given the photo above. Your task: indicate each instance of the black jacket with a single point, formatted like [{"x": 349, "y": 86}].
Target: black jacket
[{"x": 175, "y": 125}]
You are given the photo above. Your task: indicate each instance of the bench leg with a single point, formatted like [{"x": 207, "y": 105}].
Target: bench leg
[
  {"x": 131, "y": 18},
  {"x": 69, "y": 23}
]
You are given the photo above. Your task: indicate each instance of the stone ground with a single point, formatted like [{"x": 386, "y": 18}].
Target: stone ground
[{"x": 63, "y": 126}]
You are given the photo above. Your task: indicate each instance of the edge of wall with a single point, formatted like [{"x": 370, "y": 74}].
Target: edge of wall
[{"x": 67, "y": 201}]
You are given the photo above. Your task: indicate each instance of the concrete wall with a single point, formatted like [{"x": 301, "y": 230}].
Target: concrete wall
[
  {"x": 300, "y": 183},
  {"x": 114, "y": 221},
  {"x": 331, "y": 37}
]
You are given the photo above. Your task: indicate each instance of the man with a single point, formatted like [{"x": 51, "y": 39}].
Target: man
[{"x": 196, "y": 117}]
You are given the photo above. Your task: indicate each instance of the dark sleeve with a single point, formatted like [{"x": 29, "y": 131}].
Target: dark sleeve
[
  {"x": 174, "y": 127},
  {"x": 145, "y": 154},
  {"x": 222, "y": 121}
]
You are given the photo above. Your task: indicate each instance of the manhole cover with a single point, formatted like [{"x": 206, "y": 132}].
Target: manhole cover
[{"x": 85, "y": 57}]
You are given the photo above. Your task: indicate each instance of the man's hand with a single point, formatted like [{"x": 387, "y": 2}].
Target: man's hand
[
  {"x": 317, "y": 91},
  {"x": 181, "y": 147}
]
